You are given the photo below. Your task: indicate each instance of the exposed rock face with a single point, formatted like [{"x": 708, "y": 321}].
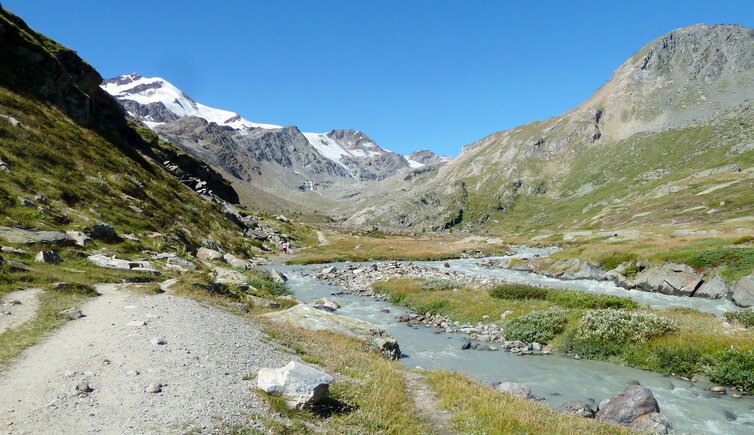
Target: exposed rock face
[
  {"x": 580, "y": 409},
  {"x": 207, "y": 254},
  {"x": 308, "y": 317},
  {"x": 300, "y": 385},
  {"x": 743, "y": 292},
  {"x": 27, "y": 237},
  {"x": 47, "y": 257},
  {"x": 102, "y": 231},
  {"x": 672, "y": 279},
  {"x": 426, "y": 158},
  {"x": 714, "y": 288}
]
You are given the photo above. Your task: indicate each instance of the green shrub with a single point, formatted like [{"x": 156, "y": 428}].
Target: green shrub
[
  {"x": 261, "y": 280},
  {"x": 438, "y": 285},
  {"x": 734, "y": 367},
  {"x": 681, "y": 361},
  {"x": 602, "y": 333},
  {"x": 584, "y": 300},
  {"x": 434, "y": 306},
  {"x": 396, "y": 298},
  {"x": 519, "y": 292},
  {"x": 538, "y": 326},
  {"x": 745, "y": 318}
]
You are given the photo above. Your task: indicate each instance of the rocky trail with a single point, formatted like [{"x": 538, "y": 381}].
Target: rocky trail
[
  {"x": 322, "y": 239},
  {"x": 18, "y": 307},
  {"x": 139, "y": 364},
  {"x": 427, "y": 403}
]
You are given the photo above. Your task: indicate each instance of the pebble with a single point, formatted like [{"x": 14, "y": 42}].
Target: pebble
[
  {"x": 136, "y": 323},
  {"x": 154, "y": 388},
  {"x": 158, "y": 341},
  {"x": 133, "y": 373},
  {"x": 718, "y": 390},
  {"x": 84, "y": 387}
]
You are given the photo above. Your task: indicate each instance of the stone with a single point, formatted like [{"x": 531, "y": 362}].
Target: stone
[
  {"x": 575, "y": 407},
  {"x": 653, "y": 423},
  {"x": 12, "y": 250},
  {"x": 72, "y": 313},
  {"x": 627, "y": 407},
  {"x": 154, "y": 388},
  {"x": 256, "y": 234},
  {"x": 208, "y": 254},
  {"x": 136, "y": 323},
  {"x": 718, "y": 389},
  {"x": 514, "y": 389},
  {"x": 147, "y": 270},
  {"x": 308, "y": 317},
  {"x": 178, "y": 261},
  {"x": 300, "y": 385},
  {"x": 40, "y": 198},
  {"x": 115, "y": 263},
  {"x": 26, "y": 202},
  {"x": 158, "y": 341},
  {"x": 278, "y": 277},
  {"x": 133, "y": 373},
  {"x": 47, "y": 257},
  {"x": 282, "y": 218},
  {"x": 326, "y": 304},
  {"x": 466, "y": 346},
  {"x": 228, "y": 276},
  {"x": 80, "y": 238},
  {"x": 743, "y": 292},
  {"x": 83, "y": 387},
  {"x": 235, "y": 261},
  {"x": 4, "y": 167},
  {"x": 131, "y": 236},
  {"x": 387, "y": 346},
  {"x": 670, "y": 278},
  {"x": 27, "y": 237},
  {"x": 714, "y": 288},
  {"x": 102, "y": 231}
]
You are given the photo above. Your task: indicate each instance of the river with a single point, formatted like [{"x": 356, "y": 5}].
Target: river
[{"x": 554, "y": 378}]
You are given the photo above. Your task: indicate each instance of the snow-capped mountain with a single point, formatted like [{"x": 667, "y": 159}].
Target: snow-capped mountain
[
  {"x": 421, "y": 158},
  {"x": 156, "y": 101},
  {"x": 271, "y": 157}
]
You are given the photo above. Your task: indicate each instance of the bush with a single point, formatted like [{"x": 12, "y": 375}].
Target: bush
[
  {"x": 583, "y": 300},
  {"x": 602, "y": 333},
  {"x": 745, "y": 318},
  {"x": 539, "y": 326},
  {"x": 261, "y": 280},
  {"x": 680, "y": 361},
  {"x": 519, "y": 292},
  {"x": 432, "y": 285},
  {"x": 397, "y": 298},
  {"x": 433, "y": 307},
  {"x": 734, "y": 367}
]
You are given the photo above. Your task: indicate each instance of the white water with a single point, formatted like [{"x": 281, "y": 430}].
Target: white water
[{"x": 555, "y": 378}]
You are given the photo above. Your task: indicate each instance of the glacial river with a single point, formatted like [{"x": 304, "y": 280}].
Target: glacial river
[{"x": 554, "y": 378}]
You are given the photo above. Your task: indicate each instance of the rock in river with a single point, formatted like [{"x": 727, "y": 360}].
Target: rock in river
[{"x": 636, "y": 407}]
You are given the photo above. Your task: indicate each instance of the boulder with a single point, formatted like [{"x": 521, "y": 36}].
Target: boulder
[
  {"x": 12, "y": 250},
  {"x": 208, "y": 254},
  {"x": 4, "y": 167},
  {"x": 653, "y": 423},
  {"x": 670, "y": 278},
  {"x": 256, "y": 234},
  {"x": 575, "y": 407},
  {"x": 102, "y": 231},
  {"x": 627, "y": 407},
  {"x": 178, "y": 261},
  {"x": 743, "y": 292},
  {"x": 278, "y": 276},
  {"x": 326, "y": 304},
  {"x": 229, "y": 276},
  {"x": 514, "y": 389},
  {"x": 714, "y": 288},
  {"x": 308, "y": 317},
  {"x": 282, "y": 218},
  {"x": 116, "y": 263},
  {"x": 235, "y": 261},
  {"x": 47, "y": 257},
  {"x": 300, "y": 385},
  {"x": 72, "y": 313},
  {"x": 28, "y": 237},
  {"x": 80, "y": 238}
]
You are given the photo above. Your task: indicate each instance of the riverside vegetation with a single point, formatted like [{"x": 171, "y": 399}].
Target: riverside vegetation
[{"x": 681, "y": 342}]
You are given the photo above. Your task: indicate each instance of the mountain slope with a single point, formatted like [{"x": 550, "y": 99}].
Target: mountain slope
[{"x": 680, "y": 105}]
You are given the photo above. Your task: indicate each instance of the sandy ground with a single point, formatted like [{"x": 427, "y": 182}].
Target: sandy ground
[
  {"x": 114, "y": 349},
  {"x": 18, "y": 307}
]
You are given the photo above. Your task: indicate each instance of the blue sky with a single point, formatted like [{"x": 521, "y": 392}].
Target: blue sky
[{"x": 432, "y": 74}]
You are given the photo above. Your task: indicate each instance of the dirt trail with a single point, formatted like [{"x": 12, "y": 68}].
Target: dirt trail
[
  {"x": 18, "y": 307},
  {"x": 322, "y": 239},
  {"x": 115, "y": 349},
  {"x": 428, "y": 403}
]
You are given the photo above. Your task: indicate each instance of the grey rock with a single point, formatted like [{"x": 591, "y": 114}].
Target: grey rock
[
  {"x": 652, "y": 423},
  {"x": 278, "y": 277},
  {"x": 27, "y": 237},
  {"x": 326, "y": 304},
  {"x": 514, "y": 389},
  {"x": 26, "y": 202},
  {"x": 102, "y": 231},
  {"x": 229, "y": 276},
  {"x": 300, "y": 385},
  {"x": 282, "y": 218},
  {"x": 235, "y": 261},
  {"x": 83, "y": 387},
  {"x": 387, "y": 346},
  {"x": 575, "y": 407},
  {"x": 158, "y": 341},
  {"x": 40, "y": 198},
  {"x": 4, "y": 167},
  {"x": 626, "y": 408},
  {"x": 714, "y": 288},
  {"x": 80, "y": 238},
  {"x": 154, "y": 388},
  {"x": 115, "y": 263},
  {"x": 47, "y": 257},
  {"x": 178, "y": 261},
  {"x": 670, "y": 278},
  {"x": 743, "y": 292},
  {"x": 72, "y": 313},
  {"x": 208, "y": 254},
  {"x": 12, "y": 250}
]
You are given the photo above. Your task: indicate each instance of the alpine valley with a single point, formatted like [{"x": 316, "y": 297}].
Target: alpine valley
[{"x": 170, "y": 267}]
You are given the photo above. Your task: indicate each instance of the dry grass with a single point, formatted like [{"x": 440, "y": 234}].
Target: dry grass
[
  {"x": 479, "y": 409},
  {"x": 343, "y": 247}
]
